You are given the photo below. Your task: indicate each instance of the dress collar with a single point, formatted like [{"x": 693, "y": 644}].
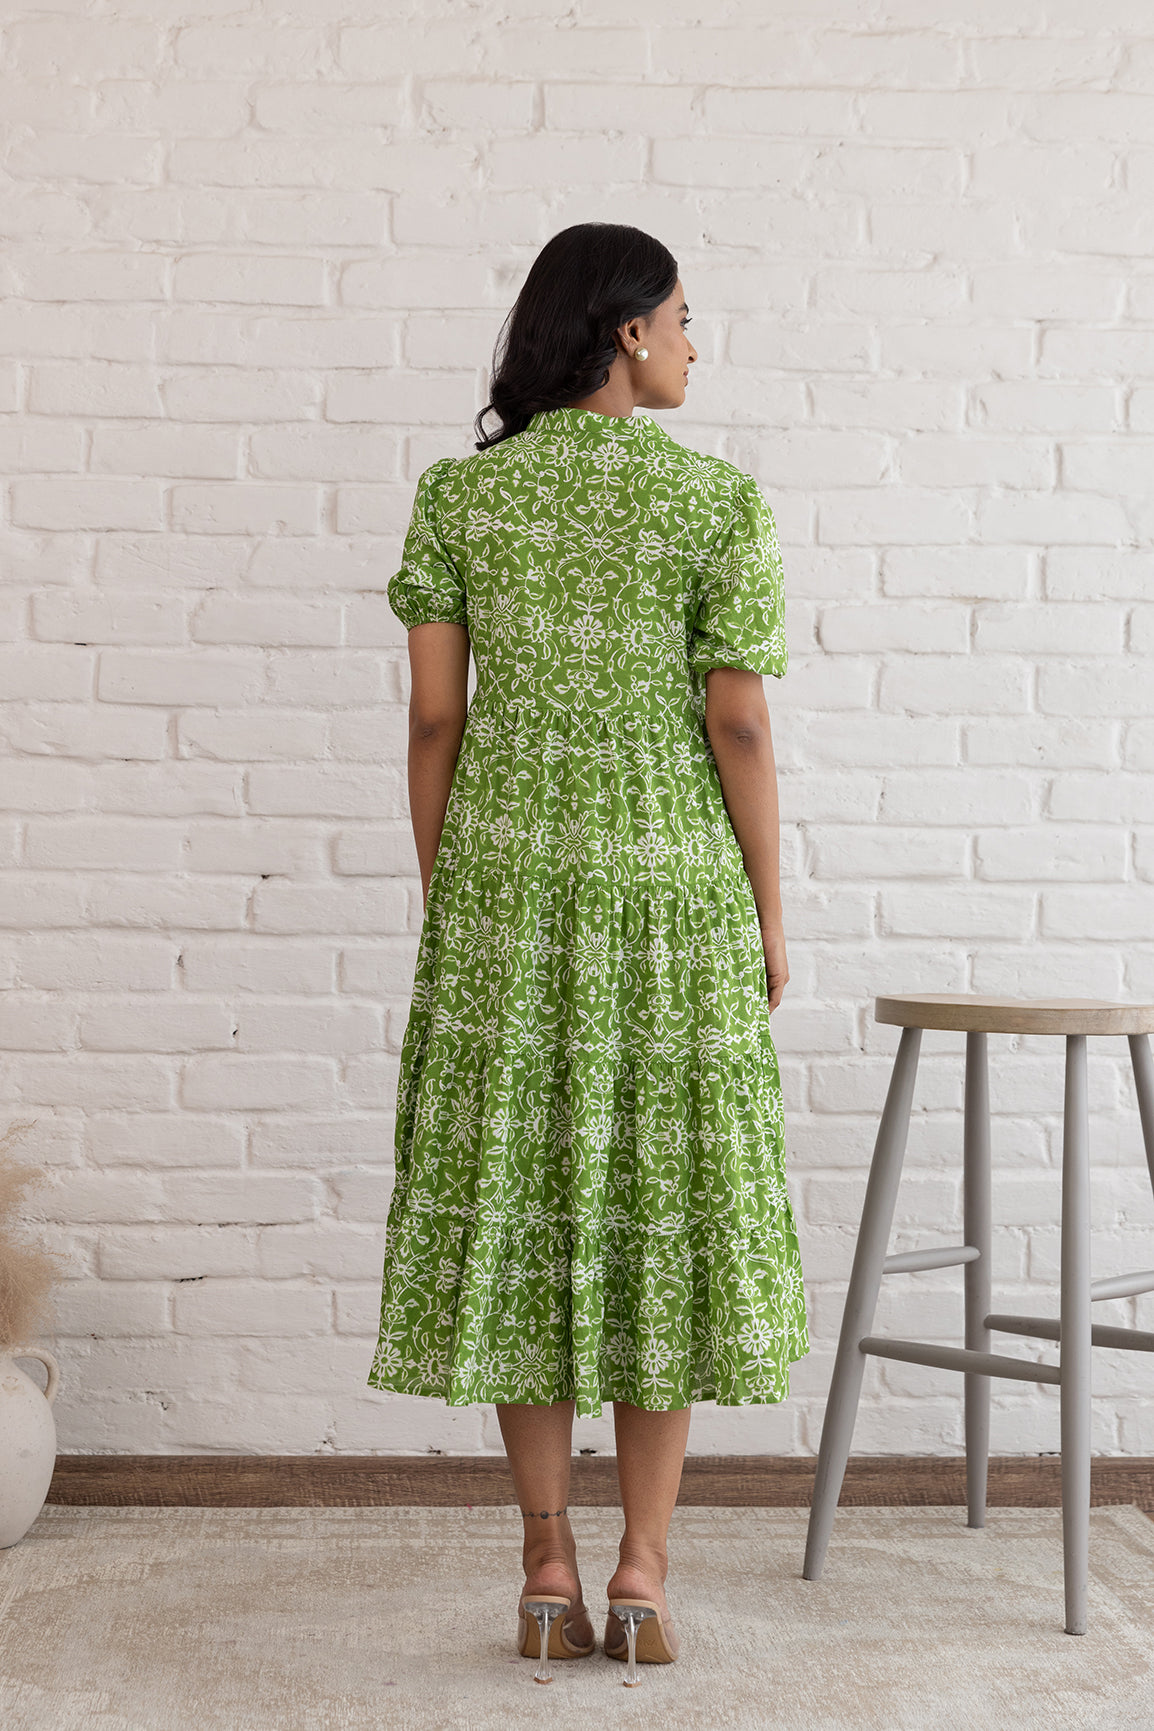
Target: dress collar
[{"x": 591, "y": 427}]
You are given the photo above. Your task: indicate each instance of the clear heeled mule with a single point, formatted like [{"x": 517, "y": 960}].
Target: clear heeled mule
[
  {"x": 544, "y": 1608},
  {"x": 632, "y": 1613}
]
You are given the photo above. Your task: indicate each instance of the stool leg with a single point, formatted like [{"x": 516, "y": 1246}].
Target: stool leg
[
  {"x": 861, "y": 1300},
  {"x": 978, "y": 1231},
  {"x": 1144, "y": 1088},
  {"x": 1076, "y": 1338}
]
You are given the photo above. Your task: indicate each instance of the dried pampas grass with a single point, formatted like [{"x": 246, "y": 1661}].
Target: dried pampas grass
[{"x": 27, "y": 1273}]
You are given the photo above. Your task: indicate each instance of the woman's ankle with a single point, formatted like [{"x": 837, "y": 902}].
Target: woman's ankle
[
  {"x": 548, "y": 1540},
  {"x": 647, "y": 1555}
]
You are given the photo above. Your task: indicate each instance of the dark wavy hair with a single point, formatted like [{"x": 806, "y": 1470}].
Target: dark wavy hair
[{"x": 557, "y": 344}]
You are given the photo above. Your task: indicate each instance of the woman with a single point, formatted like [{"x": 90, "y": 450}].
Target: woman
[{"x": 590, "y": 1199}]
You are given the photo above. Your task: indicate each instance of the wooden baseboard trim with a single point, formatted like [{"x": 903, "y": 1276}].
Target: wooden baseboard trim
[{"x": 730, "y": 1481}]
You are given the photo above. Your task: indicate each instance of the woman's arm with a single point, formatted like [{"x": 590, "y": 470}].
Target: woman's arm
[
  {"x": 438, "y": 705},
  {"x": 737, "y": 722}
]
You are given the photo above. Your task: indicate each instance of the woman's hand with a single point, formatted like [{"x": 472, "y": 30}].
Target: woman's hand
[{"x": 776, "y": 966}]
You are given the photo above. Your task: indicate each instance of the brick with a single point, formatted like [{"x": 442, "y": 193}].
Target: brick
[
  {"x": 108, "y": 1309},
  {"x": 1121, "y": 116},
  {"x": 979, "y": 913},
  {"x": 894, "y": 405},
  {"x": 1138, "y": 747},
  {"x": 68, "y": 503},
  {"x": 819, "y": 683},
  {"x": 248, "y": 738},
  {"x": 973, "y": 351},
  {"x": 1095, "y": 688},
  {"x": 1089, "y": 573},
  {"x": 1009, "y": 63},
  {"x": 961, "y": 460},
  {"x": 1116, "y": 224},
  {"x": 249, "y": 1307},
  {"x": 917, "y": 629},
  {"x": 779, "y": 113},
  {"x": 319, "y": 1028},
  {"x": 1119, "y": 799},
  {"x": 245, "y": 509},
  {"x": 1057, "y": 970},
  {"x": 108, "y": 617},
  {"x": 1102, "y": 466},
  {"x": 306, "y": 966},
  {"x": 1030, "y": 291},
  {"x": 1108, "y": 354},
  {"x": 1039, "y": 519},
  {"x": 850, "y": 289},
  {"x": 1069, "y": 744},
  {"x": 1062, "y": 629},
  {"x": 1076, "y": 854},
  {"x": 1046, "y": 406},
  {"x": 883, "y": 59},
  {"x": 855, "y": 515},
  {"x": 154, "y": 676},
  {"x": 300, "y": 106},
  {"x": 1074, "y": 911},
  {"x": 126, "y": 1027},
  {"x": 95, "y": 158},
  {"x": 846, "y": 850},
  {"x": 168, "y": 1253},
  {"x": 831, "y": 740},
  {"x": 955, "y": 685},
  {"x": 969, "y": 117},
  {"x": 967, "y": 573},
  {"x": 256, "y": 1083},
  {"x": 958, "y": 797},
  {"x": 165, "y": 1139},
  {"x": 94, "y": 1081},
  {"x": 908, "y": 171},
  {"x": 850, "y": 347}
]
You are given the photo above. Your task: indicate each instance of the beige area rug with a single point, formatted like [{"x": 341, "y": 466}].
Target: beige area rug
[{"x": 346, "y": 1619}]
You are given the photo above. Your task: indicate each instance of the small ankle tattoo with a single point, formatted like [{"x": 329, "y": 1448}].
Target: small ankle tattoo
[{"x": 543, "y": 1514}]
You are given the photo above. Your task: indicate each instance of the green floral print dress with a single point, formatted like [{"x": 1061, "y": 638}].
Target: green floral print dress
[{"x": 590, "y": 1195}]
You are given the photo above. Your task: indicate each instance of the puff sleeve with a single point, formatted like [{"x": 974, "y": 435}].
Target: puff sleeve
[
  {"x": 429, "y": 586},
  {"x": 739, "y": 620}
]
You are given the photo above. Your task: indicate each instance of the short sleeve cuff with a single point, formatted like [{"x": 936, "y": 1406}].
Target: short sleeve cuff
[
  {"x": 416, "y": 606},
  {"x": 740, "y": 618},
  {"x": 428, "y": 588}
]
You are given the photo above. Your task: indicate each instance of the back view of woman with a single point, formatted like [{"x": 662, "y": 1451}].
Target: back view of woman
[{"x": 590, "y": 1198}]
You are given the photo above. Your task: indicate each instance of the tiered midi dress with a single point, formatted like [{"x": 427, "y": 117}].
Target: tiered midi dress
[{"x": 590, "y": 1196}]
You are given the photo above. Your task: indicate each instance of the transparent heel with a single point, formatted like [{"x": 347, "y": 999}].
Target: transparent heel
[
  {"x": 632, "y": 1615},
  {"x": 545, "y": 1609}
]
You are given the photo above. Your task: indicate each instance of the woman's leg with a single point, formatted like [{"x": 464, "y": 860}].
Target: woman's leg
[
  {"x": 650, "y": 1456},
  {"x": 539, "y": 1443}
]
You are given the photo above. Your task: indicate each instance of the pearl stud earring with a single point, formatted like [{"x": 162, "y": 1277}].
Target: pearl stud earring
[{"x": 640, "y": 354}]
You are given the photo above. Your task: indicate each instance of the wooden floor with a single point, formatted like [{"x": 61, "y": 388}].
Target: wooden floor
[{"x": 736, "y": 1481}]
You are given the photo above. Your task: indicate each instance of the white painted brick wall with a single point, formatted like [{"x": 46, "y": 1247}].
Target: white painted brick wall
[{"x": 253, "y": 274}]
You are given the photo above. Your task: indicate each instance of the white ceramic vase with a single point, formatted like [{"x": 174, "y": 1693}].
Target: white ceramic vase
[{"x": 27, "y": 1441}]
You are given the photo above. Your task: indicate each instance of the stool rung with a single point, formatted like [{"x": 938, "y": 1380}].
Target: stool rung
[
  {"x": 1048, "y": 1328},
  {"x": 960, "y": 1358},
  {"x": 945, "y": 1256},
  {"x": 1122, "y": 1285}
]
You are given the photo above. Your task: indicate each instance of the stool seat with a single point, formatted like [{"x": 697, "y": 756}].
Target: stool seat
[{"x": 966, "y": 1013}]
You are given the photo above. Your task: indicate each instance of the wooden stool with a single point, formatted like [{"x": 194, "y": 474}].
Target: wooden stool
[{"x": 976, "y": 1017}]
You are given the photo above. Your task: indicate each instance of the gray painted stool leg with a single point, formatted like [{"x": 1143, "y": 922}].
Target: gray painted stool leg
[
  {"x": 977, "y": 1231},
  {"x": 1144, "y": 1088},
  {"x": 861, "y": 1300},
  {"x": 1076, "y": 1338}
]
